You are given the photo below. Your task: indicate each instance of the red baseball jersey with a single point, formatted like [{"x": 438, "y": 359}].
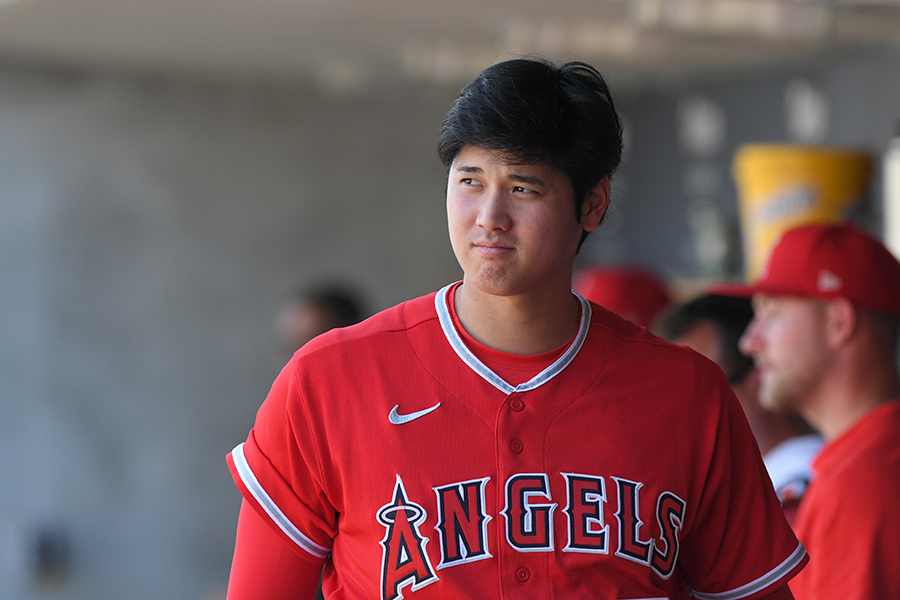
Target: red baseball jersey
[
  {"x": 391, "y": 454},
  {"x": 849, "y": 518}
]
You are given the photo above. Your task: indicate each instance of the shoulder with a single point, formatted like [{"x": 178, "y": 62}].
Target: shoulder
[
  {"x": 343, "y": 367},
  {"x": 650, "y": 352},
  {"x": 868, "y": 448},
  {"x": 673, "y": 382},
  {"x": 869, "y": 481}
]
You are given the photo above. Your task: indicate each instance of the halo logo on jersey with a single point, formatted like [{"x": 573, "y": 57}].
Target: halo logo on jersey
[{"x": 405, "y": 560}]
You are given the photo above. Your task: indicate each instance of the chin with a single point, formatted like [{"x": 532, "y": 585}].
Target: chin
[
  {"x": 494, "y": 288},
  {"x": 491, "y": 279},
  {"x": 774, "y": 402}
]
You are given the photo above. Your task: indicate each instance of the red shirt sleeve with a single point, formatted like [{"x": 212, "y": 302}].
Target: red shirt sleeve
[
  {"x": 264, "y": 567},
  {"x": 278, "y": 472}
]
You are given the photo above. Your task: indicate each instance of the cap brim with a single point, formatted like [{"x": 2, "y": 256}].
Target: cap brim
[{"x": 735, "y": 290}]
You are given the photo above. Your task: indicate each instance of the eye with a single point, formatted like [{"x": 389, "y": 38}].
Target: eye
[
  {"x": 765, "y": 312},
  {"x": 523, "y": 190}
]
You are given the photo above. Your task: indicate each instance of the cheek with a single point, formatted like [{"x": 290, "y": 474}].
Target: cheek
[
  {"x": 778, "y": 341},
  {"x": 791, "y": 344},
  {"x": 458, "y": 231},
  {"x": 550, "y": 225},
  {"x": 460, "y": 209},
  {"x": 454, "y": 217}
]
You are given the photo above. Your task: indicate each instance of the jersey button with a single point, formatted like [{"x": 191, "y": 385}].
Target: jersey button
[
  {"x": 517, "y": 405},
  {"x": 523, "y": 574},
  {"x": 517, "y": 446}
]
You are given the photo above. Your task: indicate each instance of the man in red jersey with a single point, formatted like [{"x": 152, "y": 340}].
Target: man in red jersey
[
  {"x": 503, "y": 437},
  {"x": 824, "y": 338}
]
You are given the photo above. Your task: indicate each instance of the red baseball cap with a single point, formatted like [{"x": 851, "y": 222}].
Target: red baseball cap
[
  {"x": 632, "y": 292},
  {"x": 829, "y": 261}
]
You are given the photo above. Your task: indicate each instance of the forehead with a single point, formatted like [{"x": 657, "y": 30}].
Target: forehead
[
  {"x": 482, "y": 158},
  {"x": 790, "y": 304}
]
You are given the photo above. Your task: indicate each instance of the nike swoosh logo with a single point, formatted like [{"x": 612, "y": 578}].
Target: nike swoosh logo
[{"x": 397, "y": 419}]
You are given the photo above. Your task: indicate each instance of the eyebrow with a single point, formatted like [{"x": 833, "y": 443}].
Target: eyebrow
[{"x": 529, "y": 179}]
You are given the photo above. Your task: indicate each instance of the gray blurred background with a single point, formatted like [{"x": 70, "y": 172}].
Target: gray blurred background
[{"x": 171, "y": 170}]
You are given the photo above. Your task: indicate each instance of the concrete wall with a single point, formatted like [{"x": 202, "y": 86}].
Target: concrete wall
[{"x": 149, "y": 229}]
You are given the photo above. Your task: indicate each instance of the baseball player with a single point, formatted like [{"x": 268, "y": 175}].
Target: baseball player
[
  {"x": 503, "y": 437},
  {"x": 824, "y": 337}
]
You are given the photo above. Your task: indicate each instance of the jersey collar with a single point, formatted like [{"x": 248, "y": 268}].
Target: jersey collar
[{"x": 456, "y": 342}]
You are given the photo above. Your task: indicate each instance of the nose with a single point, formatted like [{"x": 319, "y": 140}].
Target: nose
[
  {"x": 749, "y": 342},
  {"x": 493, "y": 214}
]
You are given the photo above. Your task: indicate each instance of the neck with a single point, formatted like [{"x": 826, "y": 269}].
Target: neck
[
  {"x": 846, "y": 398},
  {"x": 518, "y": 324},
  {"x": 860, "y": 375}
]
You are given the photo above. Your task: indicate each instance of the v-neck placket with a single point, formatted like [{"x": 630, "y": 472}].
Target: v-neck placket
[{"x": 474, "y": 363}]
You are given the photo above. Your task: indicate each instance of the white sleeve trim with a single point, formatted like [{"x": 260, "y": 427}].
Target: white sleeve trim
[
  {"x": 253, "y": 485},
  {"x": 760, "y": 584}
]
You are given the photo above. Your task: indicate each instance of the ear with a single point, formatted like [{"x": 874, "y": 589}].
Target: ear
[
  {"x": 841, "y": 321},
  {"x": 595, "y": 205}
]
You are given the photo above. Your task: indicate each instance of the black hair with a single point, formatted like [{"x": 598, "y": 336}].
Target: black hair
[
  {"x": 534, "y": 111},
  {"x": 730, "y": 315},
  {"x": 342, "y": 304}
]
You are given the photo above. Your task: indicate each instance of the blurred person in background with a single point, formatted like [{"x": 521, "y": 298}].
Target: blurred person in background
[
  {"x": 712, "y": 325},
  {"x": 824, "y": 339},
  {"x": 314, "y": 309},
  {"x": 635, "y": 293}
]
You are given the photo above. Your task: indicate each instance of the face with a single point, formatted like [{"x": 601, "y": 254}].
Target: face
[
  {"x": 787, "y": 342},
  {"x": 704, "y": 338},
  {"x": 298, "y": 323},
  {"x": 513, "y": 227}
]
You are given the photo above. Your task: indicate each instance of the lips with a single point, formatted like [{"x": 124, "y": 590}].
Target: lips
[
  {"x": 493, "y": 246},
  {"x": 492, "y": 250}
]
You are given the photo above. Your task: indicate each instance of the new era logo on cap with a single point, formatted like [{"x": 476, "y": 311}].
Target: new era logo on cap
[{"x": 828, "y": 281}]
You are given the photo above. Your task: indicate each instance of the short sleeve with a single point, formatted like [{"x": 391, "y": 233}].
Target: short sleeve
[
  {"x": 277, "y": 470},
  {"x": 740, "y": 534}
]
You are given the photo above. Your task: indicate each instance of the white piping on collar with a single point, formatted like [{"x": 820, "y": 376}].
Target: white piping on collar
[{"x": 456, "y": 342}]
